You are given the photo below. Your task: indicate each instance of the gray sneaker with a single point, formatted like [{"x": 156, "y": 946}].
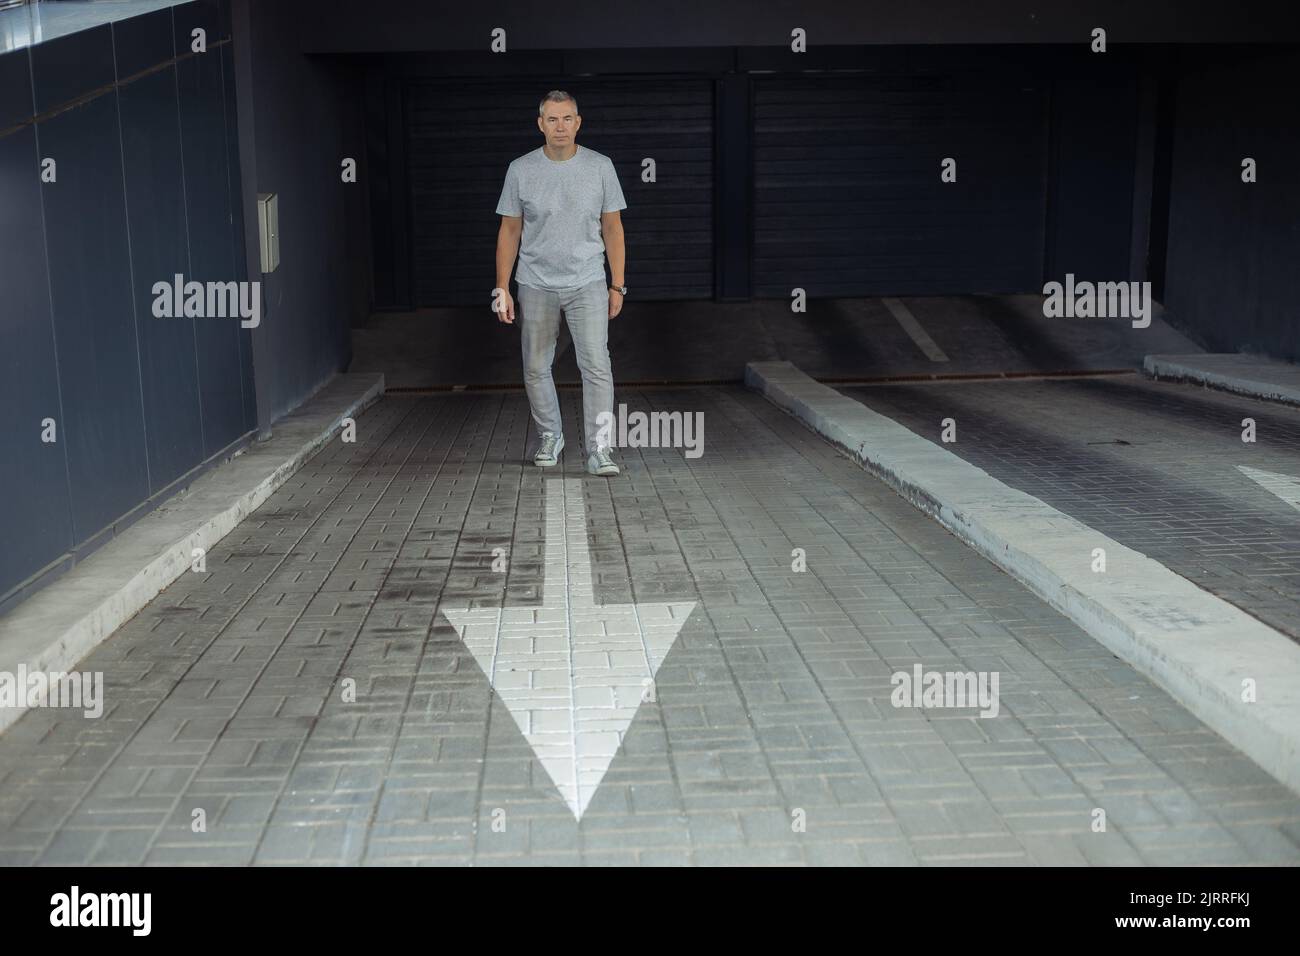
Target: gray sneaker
[
  {"x": 599, "y": 463},
  {"x": 548, "y": 453}
]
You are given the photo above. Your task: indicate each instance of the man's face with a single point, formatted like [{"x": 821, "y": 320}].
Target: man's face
[{"x": 559, "y": 123}]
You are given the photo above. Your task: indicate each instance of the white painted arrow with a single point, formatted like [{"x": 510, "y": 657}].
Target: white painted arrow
[
  {"x": 572, "y": 673},
  {"x": 1284, "y": 486}
]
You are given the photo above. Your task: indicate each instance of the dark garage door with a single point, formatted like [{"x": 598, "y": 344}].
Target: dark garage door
[
  {"x": 847, "y": 195},
  {"x": 463, "y": 135}
]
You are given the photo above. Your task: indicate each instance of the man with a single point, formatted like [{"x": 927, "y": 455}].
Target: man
[{"x": 564, "y": 200}]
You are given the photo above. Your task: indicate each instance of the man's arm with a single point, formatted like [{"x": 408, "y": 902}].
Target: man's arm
[
  {"x": 611, "y": 228},
  {"x": 512, "y": 228}
]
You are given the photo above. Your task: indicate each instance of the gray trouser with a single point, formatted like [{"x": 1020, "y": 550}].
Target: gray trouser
[{"x": 586, "y": 310}]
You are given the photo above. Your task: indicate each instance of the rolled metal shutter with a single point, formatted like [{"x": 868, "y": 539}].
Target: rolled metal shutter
[
  {"x": 847, "y": 193},
  {"x": 462, "y": 135}
]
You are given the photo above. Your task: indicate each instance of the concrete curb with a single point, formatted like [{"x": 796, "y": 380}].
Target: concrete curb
[
  {"x": 1196, "y": 646},
  {"x": 62, "y": 623},
  {"x": 1244, "y": 374}
]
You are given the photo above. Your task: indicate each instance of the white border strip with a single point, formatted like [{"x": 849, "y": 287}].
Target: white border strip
[
  {"x": 1196, "y": 646},
  {"x": 1229, "y": 373}
]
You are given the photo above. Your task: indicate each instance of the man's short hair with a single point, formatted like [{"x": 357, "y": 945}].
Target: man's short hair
[{"x": 556, "y": 96}]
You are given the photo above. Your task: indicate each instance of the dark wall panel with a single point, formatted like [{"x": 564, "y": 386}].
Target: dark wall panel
[
  {"x": 141, "y": 43},
  {"x": 237, "y": 230},
  {"x": 15, "y": 89},
  {"x": 37, "y": 525},
  {"x": 208, "y": 208},
  {"x": 385, "y": 164},
  {"x": 1233, "y": 247},
  {"x": 352, "y": 87},
  {"x": 78, "y": 261},
  {"x": 156, "y": 213},
  {"x": 72, "y": 67},
  {"x": 85, "y": 216}
]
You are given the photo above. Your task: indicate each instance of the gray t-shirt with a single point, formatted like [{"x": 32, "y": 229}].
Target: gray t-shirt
[{"x": 561, "y": 203}]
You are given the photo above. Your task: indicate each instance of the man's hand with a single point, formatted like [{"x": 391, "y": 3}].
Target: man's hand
[
  {"x": 615, "y": 302},
  {"x": 503, "y": 304}
]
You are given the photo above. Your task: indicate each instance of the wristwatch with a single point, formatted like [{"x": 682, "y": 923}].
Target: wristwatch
[{"x": 620, "y": 289}]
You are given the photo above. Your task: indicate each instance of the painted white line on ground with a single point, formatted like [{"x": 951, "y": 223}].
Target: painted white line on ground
[
  {"x": 571, "y": 672},
  {"x": 1284, "y": 486},
  {"x": 1196, "y": 646},
  {"x": 913, "y": 328}
]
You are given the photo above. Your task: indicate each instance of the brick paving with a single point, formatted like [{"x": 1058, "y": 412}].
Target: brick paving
[
  {"x": 306, "y": 701},
  {"x": 1155, "y": 466}
]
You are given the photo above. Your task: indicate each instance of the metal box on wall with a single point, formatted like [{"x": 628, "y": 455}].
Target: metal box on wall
[{"x": 268, "y": 230}]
